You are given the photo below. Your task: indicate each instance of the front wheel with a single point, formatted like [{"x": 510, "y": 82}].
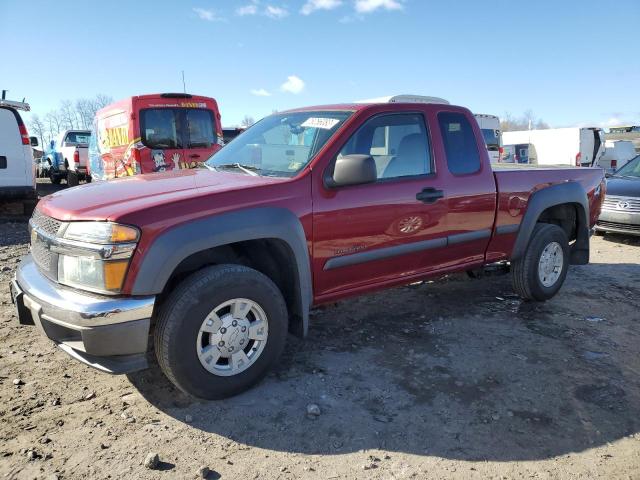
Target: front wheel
[
  {"x": 541, "y": 271},
  {"x": 220, "y": 331},
  {"x": 55, "y": 179}
]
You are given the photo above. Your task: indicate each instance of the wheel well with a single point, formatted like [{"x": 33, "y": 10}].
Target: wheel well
[
  {"x": 565, "y": 216},
  {"x": 270, "y": 256}
]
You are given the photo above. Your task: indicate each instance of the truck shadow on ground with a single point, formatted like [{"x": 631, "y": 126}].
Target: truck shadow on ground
[{"x": 455, "y": 368}]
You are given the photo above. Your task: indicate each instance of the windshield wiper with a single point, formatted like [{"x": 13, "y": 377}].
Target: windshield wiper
[{"x": 249, "y": 169}]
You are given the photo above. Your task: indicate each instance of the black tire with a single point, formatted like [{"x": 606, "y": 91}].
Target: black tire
[
  {"x": 87, "y": 178},
  {"x": 181, "y": 316},
  {"x": 72, "y": 179},
  {"x": 524, "y": 271},
  {"x": 55, "y": 179}
]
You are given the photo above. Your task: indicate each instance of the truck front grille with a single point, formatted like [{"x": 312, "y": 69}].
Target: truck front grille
[
  {"x": 615, "y": 203},
  {"x": 45, "y": 259},
  {"x": 45, "y": 223}
]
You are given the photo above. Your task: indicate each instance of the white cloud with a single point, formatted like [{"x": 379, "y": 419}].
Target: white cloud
[
  {"x": 260, "y": 92},
  {"x": 247, "y": 10},
  {"x": 208, "y": 15},
  {"x": 313, "y": 5},
  {"x": 293, "y": 85},
  {"x": 276, "y": 12},
  {"x": 368, "y": 6}
]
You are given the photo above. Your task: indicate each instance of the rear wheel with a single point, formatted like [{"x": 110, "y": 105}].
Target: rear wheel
[
  {"x": 220, "y": 331},
  {"x": 72, "y": 178},
  {"x": 541, "y": 271}
]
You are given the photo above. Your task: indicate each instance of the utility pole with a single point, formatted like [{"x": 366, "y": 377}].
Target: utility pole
[{"x": 184, "y": 87}]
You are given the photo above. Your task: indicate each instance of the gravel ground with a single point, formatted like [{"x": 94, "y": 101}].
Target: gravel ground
[{"x": 453, "y": 378}]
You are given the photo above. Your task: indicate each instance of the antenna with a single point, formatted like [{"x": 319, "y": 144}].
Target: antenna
[{"x": 184, "y": 87}]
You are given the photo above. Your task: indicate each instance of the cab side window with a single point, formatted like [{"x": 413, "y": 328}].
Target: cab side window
[
  {"x": 460, "y": 143},
  {"x": 397, "y": 142}
]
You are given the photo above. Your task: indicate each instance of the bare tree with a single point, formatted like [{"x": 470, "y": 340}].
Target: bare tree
[
  {"x": 527, "y": 121},
  {"x": 68, "y": 114},
  {"x": 247, "y": 121},
  {"x": 53, "y": 123},
  {"x": 102, "y": 101},
  {"x": 85, "y": 111},
  {"x": 37, "y": 127}
]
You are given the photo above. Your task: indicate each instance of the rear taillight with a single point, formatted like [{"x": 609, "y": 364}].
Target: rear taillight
[
  {"x": 24, "y": 135},
  {"x": 614, "y": 164},
  {"x": 76, "y": 156},
  {"x": 578, "y": 158}
]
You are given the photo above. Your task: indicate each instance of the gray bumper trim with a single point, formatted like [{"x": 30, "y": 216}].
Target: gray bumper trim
[{"x": 107, "y": 333}]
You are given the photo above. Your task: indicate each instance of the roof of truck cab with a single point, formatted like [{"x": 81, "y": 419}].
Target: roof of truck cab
[{"x": 354, "y": 107}]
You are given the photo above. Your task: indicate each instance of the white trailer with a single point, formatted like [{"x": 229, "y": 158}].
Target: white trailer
[
  {"x": 490, "y": 126},
  {"x": 561, "y": 146}
]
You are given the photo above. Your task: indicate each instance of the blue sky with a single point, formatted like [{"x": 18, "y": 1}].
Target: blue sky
[{"x": 572, "y": 62}]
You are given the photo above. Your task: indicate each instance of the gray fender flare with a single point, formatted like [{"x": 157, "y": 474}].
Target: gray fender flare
[
  {"x": 539, "y": 201},
  {"x": 170, "y": 248}
]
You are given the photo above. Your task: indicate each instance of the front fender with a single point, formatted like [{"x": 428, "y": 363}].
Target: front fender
[{"x": 173, "y": 246}]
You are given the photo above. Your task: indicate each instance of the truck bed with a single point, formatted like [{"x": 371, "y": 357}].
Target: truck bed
[{"x": 515, "y": 183}]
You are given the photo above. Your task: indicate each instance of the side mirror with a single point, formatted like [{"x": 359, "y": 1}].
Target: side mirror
[
  {"x": 354, "y": 170},
  {"x": 33, "y": 141},
  {"x": 607, "y": 175}
]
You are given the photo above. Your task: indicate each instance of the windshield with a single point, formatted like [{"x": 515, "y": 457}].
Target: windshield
[
  {"x": 631, "y": 169},
  {"x": 81, "y": 138},
  {"x": 491, "y": 139},
  {"x": 280, "y": 145}
]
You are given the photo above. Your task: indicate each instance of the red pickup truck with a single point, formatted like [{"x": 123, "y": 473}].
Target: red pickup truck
[{"x": 309, "y": 206}]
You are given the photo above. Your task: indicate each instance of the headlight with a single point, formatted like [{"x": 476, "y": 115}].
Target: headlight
[
  {"x": 100, "y": 232},
  {"x": 95, "y": 255},
  {"x": 92, "y": 273}
]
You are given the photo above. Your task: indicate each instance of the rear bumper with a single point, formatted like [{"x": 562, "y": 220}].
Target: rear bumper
[
  {"x": 619, "y": 222},
  {"x": 107, "y": 333}
]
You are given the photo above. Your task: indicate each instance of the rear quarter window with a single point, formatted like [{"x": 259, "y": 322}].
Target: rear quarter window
[{"x": 459, "y": 142}]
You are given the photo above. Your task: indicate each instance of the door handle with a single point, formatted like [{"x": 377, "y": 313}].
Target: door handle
[
  {"x": 194, "y": 155},
  {"x": 429, "y": 195}
]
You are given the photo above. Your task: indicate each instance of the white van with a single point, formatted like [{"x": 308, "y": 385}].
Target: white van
[
  {"x": 490, "y": 126},
  {"x": 616, "y": 154},
  {"x": 17, "y": 168},
  {"x": 561, "y": 146}
]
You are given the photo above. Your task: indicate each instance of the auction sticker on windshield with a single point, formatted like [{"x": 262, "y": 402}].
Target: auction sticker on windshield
[{"x": 317, "y": 122}]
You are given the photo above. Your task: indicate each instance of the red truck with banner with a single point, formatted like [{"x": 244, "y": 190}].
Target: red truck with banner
[
  {"x": 306, "y": 207},
  {"x": 154, "y": 133}
]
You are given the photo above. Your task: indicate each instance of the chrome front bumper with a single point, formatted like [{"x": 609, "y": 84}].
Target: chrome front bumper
[{"x": 108, "y": 333}]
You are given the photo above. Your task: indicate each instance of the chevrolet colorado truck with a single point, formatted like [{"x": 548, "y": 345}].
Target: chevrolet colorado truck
[{"x": 214, "y": 266}]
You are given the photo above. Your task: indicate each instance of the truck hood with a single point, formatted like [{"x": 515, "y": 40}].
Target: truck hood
[
  {"x": 114, "y": 198},
  {"x": 623, "y": 186}
]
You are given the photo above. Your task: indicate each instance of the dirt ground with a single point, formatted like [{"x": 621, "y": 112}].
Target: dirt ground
[{"x": 454, "y": 378}]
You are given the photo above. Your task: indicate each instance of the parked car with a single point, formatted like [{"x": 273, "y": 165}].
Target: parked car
[
  {"x": 490, "y": 126},
  {"x": 154, "y": 133},
  {"x": 621, "y": 207},
  {"x": 617, "y": 153},
  {"x": 17, "y": 169},
  {"x": 230, "y": 133},
  {"x": 308, "y": 206},
  {"x": 519, "y": 153},
  {"x": 561, "y": 146},
  {"x": 67, "y": 157}
]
